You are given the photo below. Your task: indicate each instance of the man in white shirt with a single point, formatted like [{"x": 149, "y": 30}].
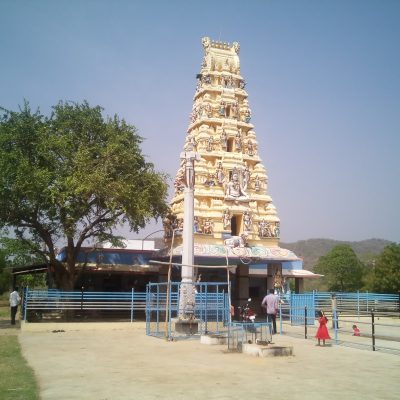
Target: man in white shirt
[
  {"x": 14, "y": 301},
  {"x": 270, "y": 303}
]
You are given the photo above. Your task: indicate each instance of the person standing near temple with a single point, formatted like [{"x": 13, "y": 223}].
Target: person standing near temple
[
  {"x": 270, "y": 303},
  {"x": 15, "y": 299},
  {"x": 322, "y": 332}
]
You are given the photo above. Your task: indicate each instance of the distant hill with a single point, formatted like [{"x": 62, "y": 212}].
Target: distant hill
[{"x": 310, "y": 250}]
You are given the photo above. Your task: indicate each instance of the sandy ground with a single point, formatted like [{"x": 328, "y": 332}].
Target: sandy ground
[{"x": 114, "y": 361}]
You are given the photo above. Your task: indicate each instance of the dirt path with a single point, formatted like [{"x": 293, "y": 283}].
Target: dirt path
[{"x": 118, "y": 361}]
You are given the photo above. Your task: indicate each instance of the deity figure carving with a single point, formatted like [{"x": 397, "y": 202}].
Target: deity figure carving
[
  {"x": 247, "y": 116},
  {"x": 196, "y": 225},
  {"x": 257, "y": 184},
  {"x": 276, "y": 230},
  {"x": 247, "y": 221},
  {"x": 192, "y": 143},
  {"x": 242, "y": 84},
  {"x": 227, "y": 81},
  {"x": 179, "y": 181},
  {"x": 245, "y": 177},
  {"x": 222, "y": 109},
  {"x": 219, "y": 173},
  {"x": 236, "y": 47},
  {"x": 264, "y": 229},
  {"x": 210, "y": 180},
  {"x": 234, "y": 190},
  {"x": 206, "y": 42},
  {"x": 224, "y": 139},
  {"x": 227, "y": 218},
  {"x": 250, "y": 148},
  {"x": 195, "y": 114},
  {"x": 235, "y": 109},
  {"x": 207, "y": 79},
  {"x": 238, "y": 141},
  {"x": 208, "y": 227},
  {"x": 210, "y": 143},
  {"x": 278, "y": 281},
  {"x": 208, "y": 110}
]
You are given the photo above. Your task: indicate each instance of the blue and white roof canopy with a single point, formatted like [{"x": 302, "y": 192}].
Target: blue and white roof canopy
[{"x": 257, "y": 257}]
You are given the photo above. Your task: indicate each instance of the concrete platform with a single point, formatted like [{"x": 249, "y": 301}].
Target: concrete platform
[
  {"x": 267, "y": 351},
  {"x": 213, "y": 339}
]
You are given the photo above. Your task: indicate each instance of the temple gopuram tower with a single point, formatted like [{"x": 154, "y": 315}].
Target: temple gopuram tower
[{"x": 234, "y": 215}]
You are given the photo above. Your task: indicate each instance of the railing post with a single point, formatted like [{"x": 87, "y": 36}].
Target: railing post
[
  {"x": 133, "y": 291},
  {"x": 373, "y": 329},
  {"x": 358, "y": 305},
  {"x": 398, "y": 299},
  {"x": 335, "y": 325},
  {"x": 169, "y": 310},
  {"x": 158, "y": 309},
  {"x": 217, "y": 309},
  {"x": 82, "y": 287},
  {"x": 280, "y": 318},
  {"x": 206, "y": 311},
  {"x": 223, "y": 316},
  {"x": 305, "y": 322},
  {"x": 291, "y": 308}
]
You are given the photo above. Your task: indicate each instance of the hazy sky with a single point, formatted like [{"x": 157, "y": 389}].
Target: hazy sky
[{"x": 323, "y": 79}]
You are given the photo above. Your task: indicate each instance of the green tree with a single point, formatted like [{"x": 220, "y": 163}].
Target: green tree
[
  {"x": 16, "y": 253},
  {"x": 5, "y": 276},
  {"x": 386, "y": 273},
  {"x": 341, "y": 268},
  {"x": 73, "y": 177}
]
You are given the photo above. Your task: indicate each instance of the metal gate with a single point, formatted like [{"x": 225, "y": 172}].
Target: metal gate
[
  {"x": 302, "y": 306},
  {"x": 211, "y": 310}
]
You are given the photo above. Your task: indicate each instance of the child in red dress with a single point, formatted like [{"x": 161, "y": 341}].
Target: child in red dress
[
  {"x": 322, "y": 332},
  {"x": 356, "y": 331}
]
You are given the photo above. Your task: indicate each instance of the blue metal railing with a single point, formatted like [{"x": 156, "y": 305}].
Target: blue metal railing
[
  {"x": 42, "y": 301},
  {"x": 359, "y": 309},
  {"x": 211, "y": 309}
]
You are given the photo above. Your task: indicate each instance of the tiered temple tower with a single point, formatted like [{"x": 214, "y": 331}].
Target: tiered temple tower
[
  {"x": 235, "y": 221},
  {"x": 231, "y": 189}
]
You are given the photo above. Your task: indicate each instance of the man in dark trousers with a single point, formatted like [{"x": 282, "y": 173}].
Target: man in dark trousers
[
  {"x": 14, "y": 301},
  {"x": 270, "y": 304}
]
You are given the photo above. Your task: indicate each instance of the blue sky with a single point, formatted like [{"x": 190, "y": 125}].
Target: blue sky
[{"x": 323, "y": 79}]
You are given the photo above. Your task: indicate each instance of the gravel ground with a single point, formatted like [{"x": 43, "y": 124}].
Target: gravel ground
[{"x": 113, "y": 361}]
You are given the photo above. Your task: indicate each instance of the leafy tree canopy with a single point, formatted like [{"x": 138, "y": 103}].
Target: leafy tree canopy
[
  {"x": 14, "y": 253},
  {"x": 387, "y": 270},
  {"x": 74, "y": 176},
  {"x": 341, "y": 269}
]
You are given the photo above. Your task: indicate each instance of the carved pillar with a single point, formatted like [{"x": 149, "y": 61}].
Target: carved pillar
[{"x": 187, "y": 295}]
